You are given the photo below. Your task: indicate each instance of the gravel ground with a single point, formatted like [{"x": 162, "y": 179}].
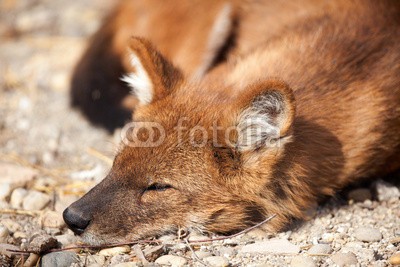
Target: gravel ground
[{"x": 50, "y": 155}]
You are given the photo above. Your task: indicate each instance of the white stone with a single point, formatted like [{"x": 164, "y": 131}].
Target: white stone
[
  {"x": 5, "y": 191},
  {"x": 320, "y": 249},
  {"x": 17, "y": 197},
  {"x": 115, "y": 251},
  {"x": 327, "y": 237},
  {"x": 302, "y": 261},
  {"x": 354, "y": 244},
  {"x": 368, "y": 234},
  {"x": 217, "y": 261},
  {"x": 35, "y": 200},
  {"x": 344, "y": 259},
  {"x": 172, "y": 260},
  {"x": 279, "y": 246},
  {"x": 386, "y": 191}
]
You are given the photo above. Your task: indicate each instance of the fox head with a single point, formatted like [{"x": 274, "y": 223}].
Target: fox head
[{"x": 197, "y": 155}]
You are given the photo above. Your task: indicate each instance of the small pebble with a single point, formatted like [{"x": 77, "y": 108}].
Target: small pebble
[
  {"x": 20, "y": 234},
  {"x": 42, "y": 243},
  {"x": 203, "y": 254},
  {"x": 128, "y": 264},
  {"x": 153, "y": 252},
  {"x": 257, "y": 233},
  {"x": 279, "y": 246},
  {"x": 52, "y": 219},
  {"x": 327, "y": 238},
  {"x": 302, "y": 261},
  {"x": 5, "y": 191},
  {"x": 367, "y": 234},
  {"x": 320, "y": 249},
  {"x": 96, "y": 259},
  {"x": 17, "y": 197},
  {"x": 35, "y": 200},
  {"x": 4, "y": 234},
  {"x": 114, "y": 251},
  {"x": 386, "y": 191},
  {"x": 217, "y": 261},
  {"x": 227, "y": 251},
  {"x": 344, "y": 259},
  {"x": 354, "y": 244},
  {"x": 175, "y": 261},
  {"x": 119, "y": 259},
  {"x": 59, "y": 259},
  {"x": 395, "y": 259}
]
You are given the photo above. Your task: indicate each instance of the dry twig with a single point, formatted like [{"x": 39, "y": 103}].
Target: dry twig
[
  {"x": 237, "y": 234},
  {"x": 20, "y": 212},
  {"x": 155, "y": 241},
  {"x": 99, "y": 155},
  {"x": 139, "y": 254},
  {"x": 195, "y": 257}
]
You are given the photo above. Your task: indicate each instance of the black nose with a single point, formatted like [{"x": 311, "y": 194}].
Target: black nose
[{"x": 76, "y": 220}]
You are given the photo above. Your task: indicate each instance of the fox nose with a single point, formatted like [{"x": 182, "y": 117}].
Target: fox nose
[{"x": 76, "y": 220}]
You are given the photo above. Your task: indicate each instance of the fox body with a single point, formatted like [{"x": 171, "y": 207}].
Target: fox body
[{"x": 262, "y": 107}]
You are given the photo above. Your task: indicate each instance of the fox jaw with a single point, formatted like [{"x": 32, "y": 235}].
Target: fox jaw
[{"x": 212, "y": 169}]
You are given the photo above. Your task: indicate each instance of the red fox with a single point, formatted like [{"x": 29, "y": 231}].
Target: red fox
[{"x": 241, "y": 110}]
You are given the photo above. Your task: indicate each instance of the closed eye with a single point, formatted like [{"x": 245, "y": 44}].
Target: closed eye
[{"x": 158, "y": 187}]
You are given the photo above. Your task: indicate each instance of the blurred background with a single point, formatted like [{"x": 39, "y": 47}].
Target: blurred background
[{"x": 49, "y": 154}]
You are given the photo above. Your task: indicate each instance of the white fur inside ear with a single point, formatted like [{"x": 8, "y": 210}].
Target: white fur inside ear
[
  {"x": 139, "y": 81},
  {"x": 258, "y": 125}
]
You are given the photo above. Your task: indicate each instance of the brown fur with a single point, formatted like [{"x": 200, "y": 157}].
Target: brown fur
[{"x": 339, "y": 122}]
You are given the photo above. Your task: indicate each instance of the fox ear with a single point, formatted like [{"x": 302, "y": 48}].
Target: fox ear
[
  {"x": 152, "y": 76},
  {"x": 265, "y": 112}
]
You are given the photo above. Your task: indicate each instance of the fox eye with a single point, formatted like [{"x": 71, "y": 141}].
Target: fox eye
[{"x": 158, "y": 187}]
